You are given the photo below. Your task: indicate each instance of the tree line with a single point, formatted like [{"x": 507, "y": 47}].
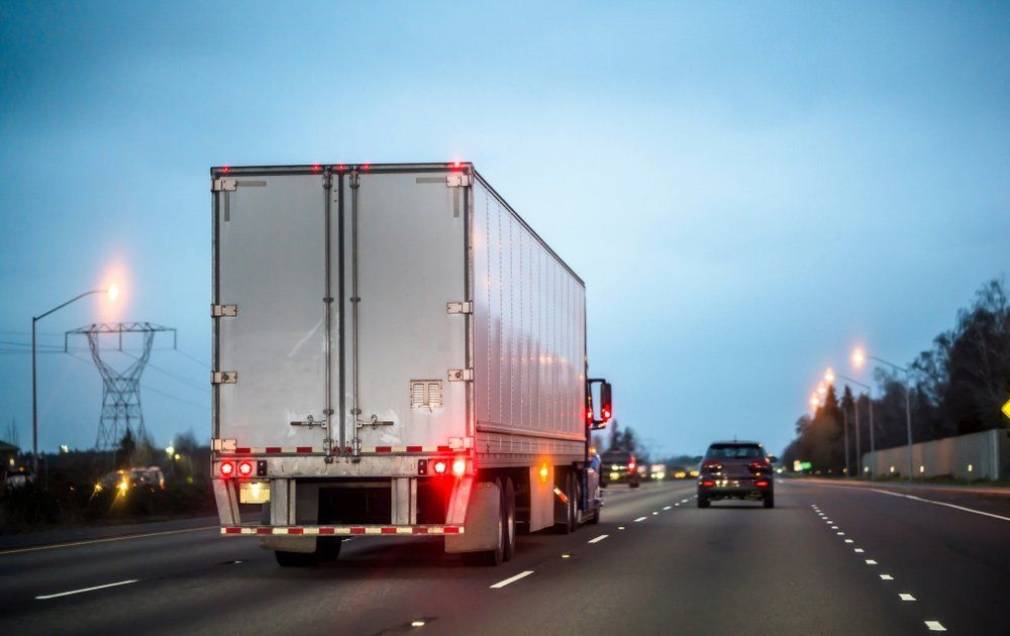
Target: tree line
[{"x": 956, "y": 387}]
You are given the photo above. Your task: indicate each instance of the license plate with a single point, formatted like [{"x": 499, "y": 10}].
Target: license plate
[{"x": 254, "y": 492}]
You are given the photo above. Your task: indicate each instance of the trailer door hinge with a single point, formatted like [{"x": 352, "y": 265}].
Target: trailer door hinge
[
  {"x": 457, "y": 307},
  {"x": 223, "y": 185},
  {"x": 457, "y": 180},
  {"x": 460, "y": 375},
  {"x": 224, "y": 377},
  {"x": 218, "y": 311}
]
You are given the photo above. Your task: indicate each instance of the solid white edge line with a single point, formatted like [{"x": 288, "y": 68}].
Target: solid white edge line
[
  {"x": 511, "y": 579},
  {"x": 43, "y": 597},
  {"x": 127, "y": 537},
  {"x": 941, "y": 503},
  {"x": 598, "y": 539}
]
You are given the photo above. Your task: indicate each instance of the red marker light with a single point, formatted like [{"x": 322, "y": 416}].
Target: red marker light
[
  {"x": 227, "y": 469},
  {"x": 458, "y": 466},
  {"x": 589, "y": 416},
  {"x": 245, "y": 468},
  {"x": 606, "y": 414},
  {"x": 225, "y": 169},
  {"x": 316, "y": 167},
  {"x": 440, "y": 467}
]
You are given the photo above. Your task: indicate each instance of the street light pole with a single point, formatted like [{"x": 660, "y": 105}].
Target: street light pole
[
  {"x": 113, "y": 292},
  {"x": 908, "y": 408},
  {"x": 845, "y": 426},
  {"x": 869, "y": 407}
]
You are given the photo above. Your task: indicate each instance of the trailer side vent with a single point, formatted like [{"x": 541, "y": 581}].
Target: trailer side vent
[{"x": 425, "y": 394}]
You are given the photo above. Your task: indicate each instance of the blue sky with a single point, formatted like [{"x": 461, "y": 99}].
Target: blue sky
[{"x": 747, "y": 188}]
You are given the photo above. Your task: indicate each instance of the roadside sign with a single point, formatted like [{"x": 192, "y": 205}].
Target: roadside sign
[{"x": 1006, "y": 408}]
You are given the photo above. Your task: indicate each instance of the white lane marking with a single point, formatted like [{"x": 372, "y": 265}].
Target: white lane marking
[
  {"x": 599, "y": 538},
  {"x": 834, "y": 527},
  {"x": 942, "y": 503},
  {"x": 511, "y": 579},
  {"x": 906, "y": 597},
  {"x": 654, "y": 512},
  {"x": 684, "y": 500},
  {"x": 870, "y": 562},
  {"x": 935, "y": 626},
  {"x": 666, "y": 507},
  {"x": 620, "y": 527},
  {"x": 640, "y": 519},
  {"x": 566, "y": 556},
  {"x": 841, "y": 534},
  {"x": 417, "y": 623},
  {"x": 886, "y": 577},
  {"x": 44, "y": 597},
  {"x": 848, "y": 540},
  {"x": 106, "y": 540},
  {"x": 858, "y": 550}
]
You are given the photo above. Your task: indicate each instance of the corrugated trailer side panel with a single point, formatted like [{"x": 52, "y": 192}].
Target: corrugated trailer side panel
[{"x": 529, "y": 338}]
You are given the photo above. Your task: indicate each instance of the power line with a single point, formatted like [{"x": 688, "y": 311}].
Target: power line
[
  {"x": 178, "y": 378},
  {"x": 193, "y": 358}
]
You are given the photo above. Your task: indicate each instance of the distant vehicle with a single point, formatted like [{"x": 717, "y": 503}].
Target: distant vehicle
[
  {"x": 679, "y": 472},
  {"x": 693, "y": 473},
  {"x": 736, "y": 470},
  {"x": 621, "y": 467},
  {"x": 18, "y": 479},
  {"x": 657, "y": 472},
  {"x": 149, "y": 477}
]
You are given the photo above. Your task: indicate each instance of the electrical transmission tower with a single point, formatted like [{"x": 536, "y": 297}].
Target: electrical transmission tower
[{"x": 121, "y": 410}]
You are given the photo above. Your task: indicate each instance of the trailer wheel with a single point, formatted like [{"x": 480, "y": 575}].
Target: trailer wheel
[
  {"x": 328, "y": 548},
  {"x": 509, "y": 507},
  {"x": 295, "y": 559},
  {"x": 497, "y": 555}
]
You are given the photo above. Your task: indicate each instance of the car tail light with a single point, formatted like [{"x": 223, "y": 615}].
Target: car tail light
[
  {"x": 761, "y": 483},
  {"x": 246, "y": 468},
  {"x": 712, "y": 466},
  {"x": 227, "y": 469},
  {"x": 440, "y": 467},
  {"x": 707, "y": 483},
  {"x": 759, "y": 465}
]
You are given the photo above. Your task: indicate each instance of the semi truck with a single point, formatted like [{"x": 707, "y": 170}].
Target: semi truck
[{"x": 395, "y": 353}]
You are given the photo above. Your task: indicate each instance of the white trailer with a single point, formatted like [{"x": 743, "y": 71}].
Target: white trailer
[{"x": 395, "y": 352}]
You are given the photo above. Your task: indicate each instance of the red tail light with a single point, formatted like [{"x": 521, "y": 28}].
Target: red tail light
[
  {"x": 761, "y": 483},
  {"x": 245, "y": 468},
  {"x": 757, "y": 466},
  {"x": 606, "y": 415},
  {"x": 589, "y": 416},
  {"x": 440, "y": 467},
  {"x": 227, "y": 469},
  {"x": 707, "y": 483}
]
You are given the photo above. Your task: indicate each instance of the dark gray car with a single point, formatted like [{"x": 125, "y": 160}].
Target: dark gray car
[{"x": 735, "y": 470}]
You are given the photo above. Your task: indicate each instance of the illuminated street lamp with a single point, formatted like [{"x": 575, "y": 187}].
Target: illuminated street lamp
[
  {"x": 113, "y": 293},
  {"x": 859, "y": 358}
]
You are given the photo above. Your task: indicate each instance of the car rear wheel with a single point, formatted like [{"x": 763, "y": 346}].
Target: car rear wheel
[{"x": 703, "y": 501}]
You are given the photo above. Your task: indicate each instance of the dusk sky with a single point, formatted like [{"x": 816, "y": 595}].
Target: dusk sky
[{"x": 748, "y": 189}]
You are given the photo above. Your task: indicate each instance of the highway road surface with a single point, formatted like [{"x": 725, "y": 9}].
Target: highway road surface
[{"x": 830, "y": 559}]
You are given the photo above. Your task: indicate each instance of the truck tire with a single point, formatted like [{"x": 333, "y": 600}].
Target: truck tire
[
  {"x": 497, "y": 555},
  {"x": 295, "y": 559},
  {"x": 509, "y": 506},
  {"x": 328, "y": 548},
  {"x": 569, "y": 521},
  {"x": 702, "y": 502}
]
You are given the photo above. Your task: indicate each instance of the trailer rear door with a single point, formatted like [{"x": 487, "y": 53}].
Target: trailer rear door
[{"x": 270, "y": 263}]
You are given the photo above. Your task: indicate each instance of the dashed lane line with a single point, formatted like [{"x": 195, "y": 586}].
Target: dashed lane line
[
  {"x": 46, "y": 597},
  {"x": 511, "y": 579},
  {"x": 935, "y": 626},
  {"x": 640, "y": 519},
  {"x": 598, "y": 539}
]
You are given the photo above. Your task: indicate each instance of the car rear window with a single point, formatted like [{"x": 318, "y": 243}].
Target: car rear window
[{"x": 734, "y": 451}]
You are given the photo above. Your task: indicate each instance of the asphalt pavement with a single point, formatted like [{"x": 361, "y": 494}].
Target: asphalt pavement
[{"x": 829, "y": 559}]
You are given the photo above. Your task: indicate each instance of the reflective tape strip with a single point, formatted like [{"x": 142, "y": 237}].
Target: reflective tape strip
[
  {"x": 302, "y": 450},
  {"x": 338, "y": 530}
]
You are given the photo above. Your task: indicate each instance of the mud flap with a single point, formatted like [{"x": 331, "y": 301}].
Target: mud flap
[
  {"x": 227, "y": 503},
  {"x": 289, "y": 544},
  {"x": 481, "y": 525}
]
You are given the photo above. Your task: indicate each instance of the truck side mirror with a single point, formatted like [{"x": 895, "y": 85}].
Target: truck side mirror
[{"x": 606, "y": 402}]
